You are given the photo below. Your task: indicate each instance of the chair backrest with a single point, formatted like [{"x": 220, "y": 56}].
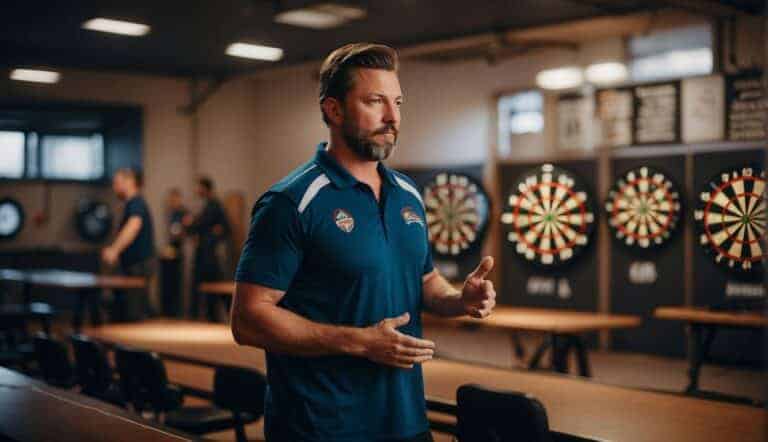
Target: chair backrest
[
  {"x": 499, "y": 416},
  {"x": 53, "y": 360},
  {"x": 94, "y": 373},
  {"x": 143, "y": 380},
  {"x": 239, "y": 389}
]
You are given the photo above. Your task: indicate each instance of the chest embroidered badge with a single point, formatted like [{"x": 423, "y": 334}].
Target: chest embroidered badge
[
  {"x": 410, "y": 216},
  {"x": 344, "y": 220}
]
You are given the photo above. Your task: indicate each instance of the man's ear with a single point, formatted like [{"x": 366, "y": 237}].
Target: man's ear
[{"x": 333, "y": 110}]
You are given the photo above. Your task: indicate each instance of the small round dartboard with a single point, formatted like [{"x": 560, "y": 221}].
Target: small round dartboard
[
  {"x": 457, "y": 209},
  {"x": 11, "y": 218},
  {"x": 93, "y": 220},
  {"x": 550, "y": 216},
  {"x": 643, "y": 208},
  {"x": 731, "y": 219}
]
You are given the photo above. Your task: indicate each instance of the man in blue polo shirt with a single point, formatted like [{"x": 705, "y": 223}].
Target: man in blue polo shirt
[{"x": 337, "y": 269}]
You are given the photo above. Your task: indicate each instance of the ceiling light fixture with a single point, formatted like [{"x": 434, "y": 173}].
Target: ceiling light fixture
[
  {"x": 560, "y": 78},
  {"x": 606, "y": 73},
  {"x": 120, "y": 27},
  {"x": 35, "y": 76},
  {"x": 255, "y": 52},
  {"x": 320, "y": 16}
]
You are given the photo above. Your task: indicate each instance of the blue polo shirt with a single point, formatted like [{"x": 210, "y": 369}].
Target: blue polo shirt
[{"x": 342, "y": 258}]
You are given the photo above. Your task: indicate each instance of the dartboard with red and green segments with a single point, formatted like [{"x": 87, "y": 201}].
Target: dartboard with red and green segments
[
  {"x": 549, "y": 215},
  {"x": 731, "y": 219},
  {"x": 457, "y": 209},
  {"x": 643, "y": 208}
]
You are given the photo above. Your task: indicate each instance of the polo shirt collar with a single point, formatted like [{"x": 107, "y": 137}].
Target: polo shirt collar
[{"x": 338, "y": 175}]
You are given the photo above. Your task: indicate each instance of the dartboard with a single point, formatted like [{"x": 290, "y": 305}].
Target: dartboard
[
  {"x": 643, "y": 208},
  {"x": 550, "y": 216},
  {"x": 731, "y": 219},
  {"x": 11, "y": 218},
  {"x": 457, "y": 210},
  {"x": 93, "y": 220}
]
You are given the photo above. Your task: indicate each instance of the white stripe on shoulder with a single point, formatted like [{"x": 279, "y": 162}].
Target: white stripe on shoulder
[
  {"x": 302, "y": 173},
  {"x": 311, "y": 192},
  {"x": 407, "y": 186}
]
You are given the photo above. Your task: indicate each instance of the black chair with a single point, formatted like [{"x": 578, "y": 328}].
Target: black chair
[
  {"x": 144, "y": 383},
  {"x": 499, "y": 416},
  {"x": 94, "y": 374},
  {"x": 52, "y": 358},
  {"x": 238, "y": 397}
]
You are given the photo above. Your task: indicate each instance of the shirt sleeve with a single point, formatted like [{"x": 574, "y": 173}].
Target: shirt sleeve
[
  {"x": 136, "y": 208},
  {"x": 273, "y": 250}
]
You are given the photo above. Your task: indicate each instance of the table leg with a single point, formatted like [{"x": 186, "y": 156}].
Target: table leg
[
  {"x": 582, "y": 356},
  {"x": 701, "y": 337},
  {"x": 26, "y": 290},
  {"x": 560, "y": 348},
  {"x": 77, "y": 316},
  {"x": 518, "y": 345},
  {"x": 536, "y": 359}
]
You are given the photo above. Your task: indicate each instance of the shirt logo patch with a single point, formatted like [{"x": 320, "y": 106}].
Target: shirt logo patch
[
  {"x": 344, "y": 220},
  {"x": 410, "y": 216}
]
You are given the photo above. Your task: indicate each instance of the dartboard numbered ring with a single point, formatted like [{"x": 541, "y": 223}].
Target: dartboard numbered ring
[
  {"x": 731, "y": 219},
  {"x": 457, "y": 209},
  {"x": 550, "y": 216},
  {"x": 643, "y": 208}
]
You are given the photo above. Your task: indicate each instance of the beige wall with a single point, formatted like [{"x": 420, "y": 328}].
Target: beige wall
[
  {"x": 166, "y": 141},
  {"x": 254, "y": 130}
]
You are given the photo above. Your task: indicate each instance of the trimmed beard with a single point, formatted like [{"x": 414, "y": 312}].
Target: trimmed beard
[{"x": 364, "y": 146}]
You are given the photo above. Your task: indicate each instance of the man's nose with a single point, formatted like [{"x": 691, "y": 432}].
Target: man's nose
[{"x": 392, "y": 114}]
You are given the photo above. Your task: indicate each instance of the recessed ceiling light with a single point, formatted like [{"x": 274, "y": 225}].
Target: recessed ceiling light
[
  {"x": 605, "y": 73},
  {"x": 35, "y": 75},
  {"x": 560, "y": 78},
  {"x": 116, "y": 27},
  {"x": 256, "y": 52},
  {"x": 320, "y": 16}
]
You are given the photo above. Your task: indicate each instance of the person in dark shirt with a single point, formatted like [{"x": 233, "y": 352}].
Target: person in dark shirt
[
  {"x": 134, "y": 246},
  {"x": 176, "y": 213},
  {"x": 211, "y": 228}
]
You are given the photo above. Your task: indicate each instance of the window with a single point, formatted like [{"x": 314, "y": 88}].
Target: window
[
  {"x": 519, "y": 114},
  {"x": 72, "y": 157},
  {"x": 676, "y": 53},
  {"x": 12, "y": 149}
]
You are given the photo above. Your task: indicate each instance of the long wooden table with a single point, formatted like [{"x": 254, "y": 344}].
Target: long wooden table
[
  {"x": 704, "y": 324},
  {"x": 84, "y": 285},
  {"x": 575, "y": 406},
  {"x": 32, "y": 411},
  {"x": 564, "y": 330}
]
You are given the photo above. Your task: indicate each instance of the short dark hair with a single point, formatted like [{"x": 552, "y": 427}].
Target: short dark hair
[
  {"x": 206, "y": 182},
  {"x": 133, "y": 172},
  {"x": 336, "y": 72}
]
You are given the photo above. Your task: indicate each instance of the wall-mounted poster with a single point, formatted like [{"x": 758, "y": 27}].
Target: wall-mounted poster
[
  {"x": 614, "y": 111},
  {"x": 643, "y": 208},
  {"x": 457, "y": 210},
  {"x": 747, "y": 107},
  {"x": 575, "y": 122},
  {"x": 657, "y": 111},
  {"x": 703, "y": 109}
]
